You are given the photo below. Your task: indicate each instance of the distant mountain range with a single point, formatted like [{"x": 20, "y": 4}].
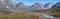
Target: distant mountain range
[{"x": 8, "y": 5}]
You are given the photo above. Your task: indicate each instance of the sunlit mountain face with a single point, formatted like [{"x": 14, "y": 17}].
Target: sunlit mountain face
[
  {"x": 2, "y": 5},
  {"x": 10, "y": 4},
  {"x": 7, "y": 5}
]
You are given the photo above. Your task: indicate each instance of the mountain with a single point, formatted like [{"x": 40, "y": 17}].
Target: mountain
[
  {"x": 20, "y": 6},
  {"x": 10, "y": 4},
  {"x": 2, "y": 6},
  {"x": 7, "y": 5},
  {"x": 48, "y": 5},
  {"x": 36, "y": 6},
  {"x": 56, "y": 7}
]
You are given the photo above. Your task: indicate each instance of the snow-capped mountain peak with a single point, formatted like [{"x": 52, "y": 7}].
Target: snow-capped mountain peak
[{"x": 48, "y": 5}]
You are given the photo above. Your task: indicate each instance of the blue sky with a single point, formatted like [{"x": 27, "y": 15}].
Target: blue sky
[{"x": 30, "y": 2}]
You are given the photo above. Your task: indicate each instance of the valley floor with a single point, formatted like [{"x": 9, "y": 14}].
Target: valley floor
[{"x": 23, "y": 15}]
